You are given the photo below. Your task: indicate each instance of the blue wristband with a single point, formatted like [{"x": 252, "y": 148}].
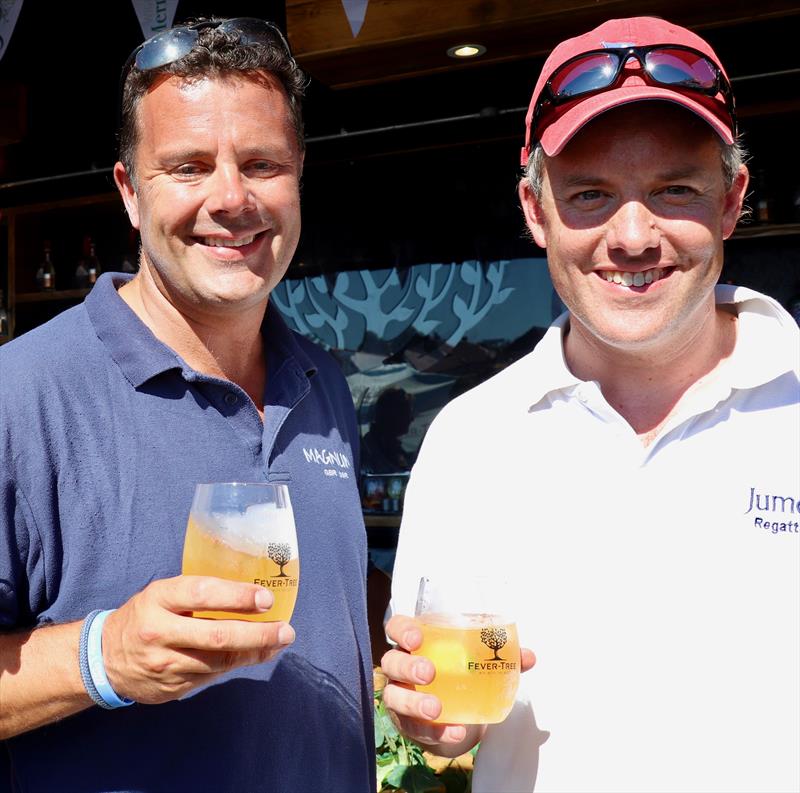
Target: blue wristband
[
  {"x": 83, "y": 661},
  {"x": 93, "y": 670}
]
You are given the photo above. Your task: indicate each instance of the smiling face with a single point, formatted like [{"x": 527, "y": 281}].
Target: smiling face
[
  {"x": 633, "y": 214},
  {"x": 216, "y": 194}
]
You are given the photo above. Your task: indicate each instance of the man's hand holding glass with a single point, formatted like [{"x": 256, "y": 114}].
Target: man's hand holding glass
[{"x": 456, "y": 664}]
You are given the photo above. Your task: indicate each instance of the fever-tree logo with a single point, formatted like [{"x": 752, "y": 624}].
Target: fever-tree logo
[
  {"x": 495, "y": 639},
  {"x": 281, "y": 553}
]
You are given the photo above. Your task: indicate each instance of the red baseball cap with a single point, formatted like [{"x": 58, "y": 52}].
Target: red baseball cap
[{"x": 560, "y": 122}]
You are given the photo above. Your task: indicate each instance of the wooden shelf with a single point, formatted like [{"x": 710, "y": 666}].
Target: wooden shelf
[
  {"x": 66, "y": 224},
  {"x": 98, "y": 199},
  {"x": 45, "y": 297},
  {"x": 382, "y": 521}
]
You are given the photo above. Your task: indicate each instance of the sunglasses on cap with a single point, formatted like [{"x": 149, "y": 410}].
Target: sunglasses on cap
[
  {"x": 669, "y": 65},
  {"x": 173, "y": 44}
]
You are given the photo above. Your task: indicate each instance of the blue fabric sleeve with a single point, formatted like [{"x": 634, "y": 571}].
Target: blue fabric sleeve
[
  {"x": 12, "y": 551},
  {"x": 22, "y": 576},
  {"x": 21, "y": 571}
]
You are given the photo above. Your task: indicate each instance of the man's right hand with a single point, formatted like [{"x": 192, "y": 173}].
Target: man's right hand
[
  {"x": 155, "y": 651},
  {"x": 414, "y": 711}
]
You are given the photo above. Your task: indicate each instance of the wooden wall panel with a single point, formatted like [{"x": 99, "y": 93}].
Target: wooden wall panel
[{"x": 403, "y": 38}]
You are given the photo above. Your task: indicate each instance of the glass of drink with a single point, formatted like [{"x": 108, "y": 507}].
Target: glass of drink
[
  {"x": 470, "y": 637},
  {"x": 245, "y": 532}
]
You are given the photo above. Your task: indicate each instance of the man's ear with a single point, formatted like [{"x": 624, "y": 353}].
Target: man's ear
[
  {"x": 532, "y": 209},
  {"x": 128, "y": 192},
  {"x": 734, "y": 199}
]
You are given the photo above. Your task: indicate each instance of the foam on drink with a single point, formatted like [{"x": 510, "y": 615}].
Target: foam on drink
[{"x": 257, "y": 546}]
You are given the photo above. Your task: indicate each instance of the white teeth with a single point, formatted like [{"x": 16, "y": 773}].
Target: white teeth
[
  {"x": 632, "y": 279},
  {"x": 216, "y": 242}
]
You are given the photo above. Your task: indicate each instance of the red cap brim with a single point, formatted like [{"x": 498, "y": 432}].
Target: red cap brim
[{"x": 559, "y": 131}]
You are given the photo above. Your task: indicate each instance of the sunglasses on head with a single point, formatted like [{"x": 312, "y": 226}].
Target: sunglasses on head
[
  {"x": 669, "y": 65},
  {"x": 173, "y": 44}
]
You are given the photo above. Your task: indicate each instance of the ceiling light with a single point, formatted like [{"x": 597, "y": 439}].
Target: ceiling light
[{"x": 466, "y": 50}]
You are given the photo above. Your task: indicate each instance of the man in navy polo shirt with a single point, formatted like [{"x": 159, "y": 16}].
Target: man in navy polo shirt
[{"x": 112, "y": 412}]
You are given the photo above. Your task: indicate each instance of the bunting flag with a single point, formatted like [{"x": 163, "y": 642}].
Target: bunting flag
[
  {"x": 9, "y": 11},
  {"x": 356, "y": 10},
  {"x": 154, "y": 15}
]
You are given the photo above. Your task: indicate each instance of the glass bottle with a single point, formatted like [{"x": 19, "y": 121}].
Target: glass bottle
[
  {"x": 3, "y": 315},
  {"x": 763, "y": 199},
  {"x": 81, "y": 279},
  {"x": 92, "y": 265},
  {"x": 88, "y": 269},
  {"x": 46, "y": 274}
]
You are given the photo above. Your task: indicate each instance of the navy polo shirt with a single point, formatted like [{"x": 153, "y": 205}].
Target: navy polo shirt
[{"x": 104, "y": 432}]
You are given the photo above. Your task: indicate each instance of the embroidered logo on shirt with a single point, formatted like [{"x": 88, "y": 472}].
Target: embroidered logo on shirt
[
  {"x": 336, "y": 463},
  {"x": 779, "y": 512}
]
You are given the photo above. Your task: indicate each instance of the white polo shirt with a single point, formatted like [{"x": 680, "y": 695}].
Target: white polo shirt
[{"x": 658, "y": 586}]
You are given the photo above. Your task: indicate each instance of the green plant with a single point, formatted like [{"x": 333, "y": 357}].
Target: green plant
[{"x": 402, "y": 765}]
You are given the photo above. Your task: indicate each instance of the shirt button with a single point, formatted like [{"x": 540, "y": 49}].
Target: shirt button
[{"x": 231, "y": 398}]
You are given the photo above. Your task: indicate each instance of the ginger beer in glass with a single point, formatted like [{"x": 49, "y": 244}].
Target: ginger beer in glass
[
  {"x": 475, "y": 653},
  {"x": 245, "y": 532}
]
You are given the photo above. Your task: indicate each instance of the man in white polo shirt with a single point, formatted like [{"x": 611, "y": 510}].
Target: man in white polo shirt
[{"x": 636, "y": 477}]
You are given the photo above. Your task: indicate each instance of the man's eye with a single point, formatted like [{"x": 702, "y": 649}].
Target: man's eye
[
  {"x": 678, "y": 190},
  {"x": 262, "y": 167},
  {"x": 188, "y": 169},
  {"x": 587, "y": 196}
]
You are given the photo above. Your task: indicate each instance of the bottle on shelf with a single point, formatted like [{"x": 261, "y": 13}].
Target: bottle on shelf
[
  {"x": 3, "y": 315},
  {"x": 93, "y": 264},
  {"x": 130, "y": 262},
  {"x": 46, "y": 274},
  {"x": 88, "y": 269},
  {"x": 762, "y": 199},
  {"x": 81, "y": 278}
]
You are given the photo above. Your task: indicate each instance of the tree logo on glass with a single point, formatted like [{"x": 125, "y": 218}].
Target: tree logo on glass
[
  {"x": 495, "y": 639},
  {"x": 281, "y": 553}
]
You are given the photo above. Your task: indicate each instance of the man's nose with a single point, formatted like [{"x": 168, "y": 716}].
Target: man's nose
[
  {"x": 633, "y": 229},
  {"x": 230, "y": 192}
]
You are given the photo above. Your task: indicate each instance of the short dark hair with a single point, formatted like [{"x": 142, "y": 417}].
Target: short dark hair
[{"x": 216, "y": 54}]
